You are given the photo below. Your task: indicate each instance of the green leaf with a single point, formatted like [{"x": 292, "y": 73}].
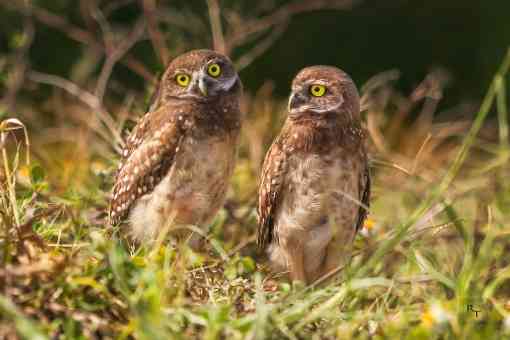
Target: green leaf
[
  {"x": 37, "y": 174},
  {"x": 248, "y": 265},
  {"x": 436, "y": 274}
]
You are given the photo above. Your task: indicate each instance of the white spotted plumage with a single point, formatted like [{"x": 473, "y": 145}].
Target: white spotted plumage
[
  {"x": 315, "y": 187},
  {"x": 180, "y": 155}
]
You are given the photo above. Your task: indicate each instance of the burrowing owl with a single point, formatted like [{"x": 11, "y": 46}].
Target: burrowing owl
[
  {"x": 178, "y": 160},
  {"x": 315, "y": 185}
]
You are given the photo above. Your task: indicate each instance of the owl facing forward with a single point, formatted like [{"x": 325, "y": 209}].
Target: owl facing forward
[
  {"x": 178, "y": 160},
  {"x": 315, "y": 186}
]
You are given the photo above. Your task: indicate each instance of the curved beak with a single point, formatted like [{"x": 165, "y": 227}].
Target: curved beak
[
  {"x": 202, "y": 85},
  {"x": 198, "y": 87},
  {"x": 296, "y": 100}
]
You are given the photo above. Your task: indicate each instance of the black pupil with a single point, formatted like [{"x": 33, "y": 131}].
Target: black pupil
[
  {"x": 214, "y": 69},
  {"x": 183, "y": 78}
]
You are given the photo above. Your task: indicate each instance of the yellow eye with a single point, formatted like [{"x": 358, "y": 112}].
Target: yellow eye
[
  {"x": 182, "y": 79},
  {"x": 214, "y": 70},
  {"x": 317, "y": 90}
]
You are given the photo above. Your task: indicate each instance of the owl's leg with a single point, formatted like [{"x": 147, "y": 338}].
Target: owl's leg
[
  {"x": 338, "y": 252},
  {"x": 294, "y": 249}
]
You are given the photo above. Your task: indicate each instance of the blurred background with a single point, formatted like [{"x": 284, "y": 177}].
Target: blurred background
[{"x": 276, "y": 37}]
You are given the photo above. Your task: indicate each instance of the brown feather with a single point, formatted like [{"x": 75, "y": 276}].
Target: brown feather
[
  {"x": 315, "y": 185},
  {"x": 147, "y": 160},
  {"x": 176, "y": 124}
]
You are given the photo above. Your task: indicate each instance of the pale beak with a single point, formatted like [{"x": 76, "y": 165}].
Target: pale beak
[
  {"x": 290, "y": 101},
  {"x": 296, "y": 100},
  {"x": 202, "y": 86}
]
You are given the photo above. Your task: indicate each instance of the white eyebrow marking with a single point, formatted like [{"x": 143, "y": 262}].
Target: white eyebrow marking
[
  {"x": 318, "y": 82},
  {"x": 229, "y": 84}
]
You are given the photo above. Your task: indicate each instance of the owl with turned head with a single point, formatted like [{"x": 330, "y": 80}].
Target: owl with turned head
[
  {"x": 315, "y": 184},
  {"x": 178, "y": 159}
]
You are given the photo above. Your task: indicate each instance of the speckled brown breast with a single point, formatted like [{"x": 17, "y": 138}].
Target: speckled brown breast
[
  {"x": 193, "y": 190},
  {"x": 321, "y": 199}
]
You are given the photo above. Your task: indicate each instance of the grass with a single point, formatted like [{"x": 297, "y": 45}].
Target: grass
[{"x": 431, "y": 263}]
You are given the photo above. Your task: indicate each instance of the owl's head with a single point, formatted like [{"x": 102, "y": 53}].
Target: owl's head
[
  {"x": 199, "y": 75},
  {"x": 323, "y": 90}
]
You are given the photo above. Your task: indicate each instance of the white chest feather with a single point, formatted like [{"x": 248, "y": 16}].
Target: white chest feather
[
  {"x": 192, "y": 191},
  {"x": 320, "y": 201},
  {"x": 316, "y": 187}
]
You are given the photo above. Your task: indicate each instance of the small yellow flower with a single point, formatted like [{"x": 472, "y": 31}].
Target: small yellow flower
[
  {"x": 369, "y": 224},
  {"x": 24, "y": 171},
  {"x": 427, "y": 319},
  {"x": 369, "y": 227},
  {"x": 435, "y": 314}
]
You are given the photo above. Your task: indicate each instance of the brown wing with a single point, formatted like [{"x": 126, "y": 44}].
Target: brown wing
[
  {"x": 272, "y": 177},
  {"x": 151, "y": 154},
  {"x": 365, "y": 196},
  {"x": 136, "y": 136}
]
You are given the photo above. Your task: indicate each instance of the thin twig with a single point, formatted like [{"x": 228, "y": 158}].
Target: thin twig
[
  {"x": 135, "y": 35},
  {"x": 282, "y": 15},
  {"x": 243, "y": 244},
  {"x": 375, "y": 134},
  {"x": 391, "y": 165},
  {"x": 419, "y": 153},
  {"x": 261, "y": 47},
  {"x": 84, "y": 96},
  {"x": 216, "y": 28},
  {"x": 106, "y": 30},
  {"x": 157, "y": 38},
  {"x": 77, "y": 34}
]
